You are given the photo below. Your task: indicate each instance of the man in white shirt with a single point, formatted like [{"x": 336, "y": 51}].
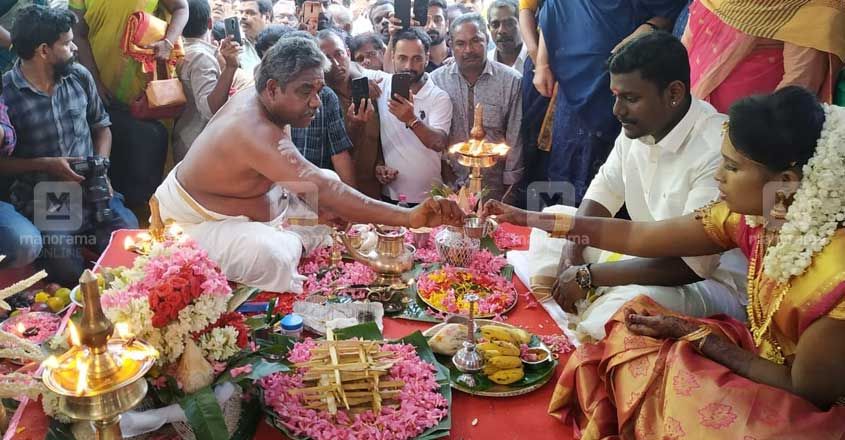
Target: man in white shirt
[
  {"x": 503, "y": 21},
  {"x": 414, "y": 131},
  {"x": 662, "y": 166}
]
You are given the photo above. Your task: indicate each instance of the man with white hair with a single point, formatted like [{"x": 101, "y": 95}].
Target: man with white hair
[
  {"x": 230, "y": 193},
  {"x": 341, "y": 17}
]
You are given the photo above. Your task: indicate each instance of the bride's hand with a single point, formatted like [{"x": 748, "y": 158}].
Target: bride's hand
[{"x": 658, "y": 326}]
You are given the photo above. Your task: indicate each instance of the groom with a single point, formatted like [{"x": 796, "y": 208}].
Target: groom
[
  {"x": 231, "y": 192},
  {"x": 662, "y": 166}
]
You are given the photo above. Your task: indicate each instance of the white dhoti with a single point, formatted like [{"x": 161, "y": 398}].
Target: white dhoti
[
  {"x": 705, "y": 298},
  {"x": 262, "y": 255}
]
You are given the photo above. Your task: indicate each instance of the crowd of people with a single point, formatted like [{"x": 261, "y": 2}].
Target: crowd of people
[{"x": 642, "y": 110}]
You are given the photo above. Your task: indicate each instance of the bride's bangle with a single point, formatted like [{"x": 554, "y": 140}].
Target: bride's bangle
[
  {"x": 541, "y": 66},
  {"x": 698, "y": 335}
]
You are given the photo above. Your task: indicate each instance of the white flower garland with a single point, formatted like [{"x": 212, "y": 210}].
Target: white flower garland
[
  {"x": 818, "y": 207},
  {"x": 220, "y": 343}
]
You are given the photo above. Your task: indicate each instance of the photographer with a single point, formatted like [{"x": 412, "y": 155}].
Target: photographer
[{"x": 63, "y": 136}]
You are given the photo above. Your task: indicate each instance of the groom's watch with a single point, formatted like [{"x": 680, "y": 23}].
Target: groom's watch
[{"x": 584, "y": 278}]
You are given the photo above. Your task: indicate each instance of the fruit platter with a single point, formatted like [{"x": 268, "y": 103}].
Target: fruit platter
[{"x": 516, "y": 362}]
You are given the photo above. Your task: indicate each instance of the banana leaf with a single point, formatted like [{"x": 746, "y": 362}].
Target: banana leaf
[
  {"x": 205, "y": 415},
  {"x": 370, "y": 331},
  {"x": 533, "y": 373}
]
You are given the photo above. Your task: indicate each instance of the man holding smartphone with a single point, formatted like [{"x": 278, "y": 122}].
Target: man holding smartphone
[
  {"x": 255, "y": 16},
  {"x": 362, "y": 118},
  {"x": 414, "y": 129}
]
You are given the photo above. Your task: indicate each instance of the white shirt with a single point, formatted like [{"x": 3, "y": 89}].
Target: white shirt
[
  {"x": 248, "y": 57},
  {"x": 672, "y": 178},
  {"x": 520, "y": 59},
  {"x": 419, "y": 166}
]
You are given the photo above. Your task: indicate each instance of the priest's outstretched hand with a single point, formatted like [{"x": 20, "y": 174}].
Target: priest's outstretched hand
[{"x": 436, "y": 211}]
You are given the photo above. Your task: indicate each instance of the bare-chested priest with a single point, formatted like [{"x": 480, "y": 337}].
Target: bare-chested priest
[{"x": 228, "y": 191}]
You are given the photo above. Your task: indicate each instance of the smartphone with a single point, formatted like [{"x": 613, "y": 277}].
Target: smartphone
[
  {"x": 402, "y": 11},
  {"x": 311, "y": 12},
  {"x": 233, "y": 28},
  {"x": 421, "y": 11},
  {"x": 401, "y": 85},
  {"x": 360, "y": 90}
]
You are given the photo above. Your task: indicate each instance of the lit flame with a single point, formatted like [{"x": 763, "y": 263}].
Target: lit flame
[
  {"x": 20, "y": 328},
  {"x": 144, "y": 236},
  {"x": 121, "y": 329},
  {"x": 128, "y": 243},
  {"x": 74, "y": 334},
  {"x": 141, "y": 354},
  {"x": 477, "y": 148},
  {"x": 82, "y": 379},
  {"x": 51, "y": 362}
]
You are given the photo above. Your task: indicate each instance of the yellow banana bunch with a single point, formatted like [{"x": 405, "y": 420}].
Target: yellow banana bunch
[
  {"x": 496, "y": 333},
  {"x": 502, "y": 347},
  {"x": 507, "y": 377},
  {"x": 516, "y": 336},
  {"x": 506, "y": 362}
]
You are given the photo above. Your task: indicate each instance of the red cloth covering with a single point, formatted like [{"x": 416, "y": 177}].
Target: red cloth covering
[{"x": 521, "y": 417}]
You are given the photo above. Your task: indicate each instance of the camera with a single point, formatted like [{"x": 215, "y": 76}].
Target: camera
[{"x": 95, "y": 186}]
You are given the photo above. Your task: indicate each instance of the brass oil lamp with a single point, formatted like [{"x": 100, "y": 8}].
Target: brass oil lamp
[
  {"x": 476, "y": 153},
  {"x": 102, "y": 375}
]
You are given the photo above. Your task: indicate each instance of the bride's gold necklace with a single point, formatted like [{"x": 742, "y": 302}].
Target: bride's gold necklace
[{"x": 759, "y": 320}]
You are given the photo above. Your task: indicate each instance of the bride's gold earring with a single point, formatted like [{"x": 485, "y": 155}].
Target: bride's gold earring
[{"x": 778, "y": 211}]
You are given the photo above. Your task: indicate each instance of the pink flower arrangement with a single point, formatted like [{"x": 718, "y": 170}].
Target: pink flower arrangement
[
  {"x": 238, "y": 371},
  {"x": 348, "y": 274},
  {"x": 164, "y": 265},
  {"x": 559, "y": 344},
  {"x": 420, "y": 404},
  {"x": 508, "y": 240},
  {"x": 174, "y": 293}
]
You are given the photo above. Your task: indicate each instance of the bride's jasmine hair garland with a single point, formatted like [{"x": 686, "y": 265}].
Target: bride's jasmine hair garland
[{"x": 818, "y": 207}]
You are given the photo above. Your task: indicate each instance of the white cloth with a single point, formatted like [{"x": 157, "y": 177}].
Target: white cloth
[
  {"x": 134, "y": 423},
  {"x": 671, "y": 179},
  {"x": 518, "y": 65},
  {"x": 248, "y": 57},
  {"x": 261, "y": 255},
  {"x": 701, "y": 299},
  {"x": 419, "y": 166}
]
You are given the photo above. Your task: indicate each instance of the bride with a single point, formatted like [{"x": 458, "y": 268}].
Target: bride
[{"x": 659, "y": 374}]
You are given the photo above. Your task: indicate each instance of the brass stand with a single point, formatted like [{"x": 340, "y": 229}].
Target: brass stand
[{"x": 101, "y": 376}]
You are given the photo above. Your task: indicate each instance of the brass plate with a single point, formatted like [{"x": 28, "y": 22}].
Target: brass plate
[
  {"x": 480, "y": 316},
  {"x": 496, "y": 390}
]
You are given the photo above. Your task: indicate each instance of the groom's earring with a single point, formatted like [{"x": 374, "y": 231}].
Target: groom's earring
[{"x": 778, "y": 211}]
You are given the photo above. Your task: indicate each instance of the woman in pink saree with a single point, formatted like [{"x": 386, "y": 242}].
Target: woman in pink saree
[
  {"x": 739, "y": 48},
  {"x": 661, "y": 375}
]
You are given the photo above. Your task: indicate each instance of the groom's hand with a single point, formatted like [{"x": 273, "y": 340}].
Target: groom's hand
[{"x": 435, "y": 212}]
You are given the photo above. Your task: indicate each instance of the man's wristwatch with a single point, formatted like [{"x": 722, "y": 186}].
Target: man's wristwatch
[{"x": 584, "y": 278}]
